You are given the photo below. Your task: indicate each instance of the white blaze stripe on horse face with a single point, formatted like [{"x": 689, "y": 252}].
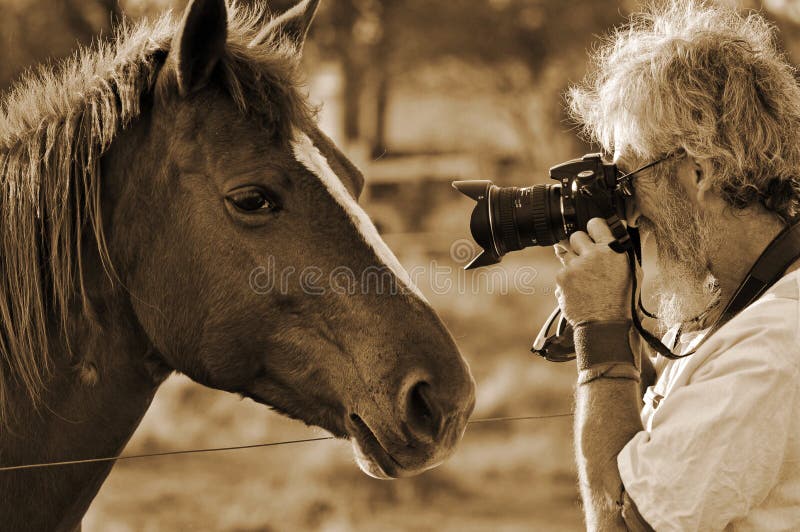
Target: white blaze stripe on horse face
[{"x": 309, "y": 156}]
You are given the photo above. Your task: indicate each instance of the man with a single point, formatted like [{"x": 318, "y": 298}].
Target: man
[{"x": 715, "y": 443}]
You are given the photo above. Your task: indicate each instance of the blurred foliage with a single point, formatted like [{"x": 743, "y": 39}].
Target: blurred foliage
[
  {"x": 521, "y": 52},
  {"x": 35, "y": 30},
  {"x": 392, "y": 35}
]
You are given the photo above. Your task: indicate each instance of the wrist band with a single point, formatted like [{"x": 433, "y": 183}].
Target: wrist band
[{"x": 603, "y": 342}]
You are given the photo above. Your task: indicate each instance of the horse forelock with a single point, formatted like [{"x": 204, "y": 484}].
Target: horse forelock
[{"x": 55, "y": 125}]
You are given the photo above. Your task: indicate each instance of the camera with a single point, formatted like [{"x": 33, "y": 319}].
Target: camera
[{"x": 513, "y": 218}]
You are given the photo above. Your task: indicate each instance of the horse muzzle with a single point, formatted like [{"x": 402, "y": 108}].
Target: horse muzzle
[{"x": 424, "y": 436}]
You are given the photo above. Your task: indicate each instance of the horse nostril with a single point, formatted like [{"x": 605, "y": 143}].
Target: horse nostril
[{"x": 424, "y": 417}]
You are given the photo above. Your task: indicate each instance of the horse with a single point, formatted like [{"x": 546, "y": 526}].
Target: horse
[{"x": 145, "y": 186}]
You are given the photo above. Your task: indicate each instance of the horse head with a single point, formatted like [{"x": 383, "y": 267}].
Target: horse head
[{"x": 235, "y": 227}]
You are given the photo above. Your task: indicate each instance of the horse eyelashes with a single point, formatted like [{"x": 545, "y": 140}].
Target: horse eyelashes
[{"x": 252, "y": 200}]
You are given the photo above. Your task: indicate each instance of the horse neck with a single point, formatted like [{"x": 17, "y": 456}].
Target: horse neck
[{"x": 99, "y": 389}]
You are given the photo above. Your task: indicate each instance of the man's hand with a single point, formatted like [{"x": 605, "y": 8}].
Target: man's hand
[{"x": 595, "y": 282}]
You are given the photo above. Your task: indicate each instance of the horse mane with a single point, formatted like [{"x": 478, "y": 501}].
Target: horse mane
[{"x": 55, "y": 125}]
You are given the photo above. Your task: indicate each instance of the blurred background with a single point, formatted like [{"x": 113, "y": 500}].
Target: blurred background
[{"x": 418, "y": 93}]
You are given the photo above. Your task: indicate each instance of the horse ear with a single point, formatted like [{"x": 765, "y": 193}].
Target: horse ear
[
  {"x": 199, "y": 43},
  {"x": 292, "y": 25}
]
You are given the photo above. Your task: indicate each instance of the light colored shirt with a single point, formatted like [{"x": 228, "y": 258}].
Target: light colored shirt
[{"x": 720, "y": 449}]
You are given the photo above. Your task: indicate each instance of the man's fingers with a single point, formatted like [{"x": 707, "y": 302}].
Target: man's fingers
[
  {"x": 599, "y": 231},
  {"x": 563, "y": 253},
  {"x": 580, "y": 242}
]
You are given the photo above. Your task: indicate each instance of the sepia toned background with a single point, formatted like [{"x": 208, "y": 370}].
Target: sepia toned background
[{"x": 418, "y": 93}]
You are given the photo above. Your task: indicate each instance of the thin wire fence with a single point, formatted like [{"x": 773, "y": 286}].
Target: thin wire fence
[{"x": 239, "y": 447}]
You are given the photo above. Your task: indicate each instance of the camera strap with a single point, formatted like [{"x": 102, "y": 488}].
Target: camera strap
[{"x": 771, "y": 265}]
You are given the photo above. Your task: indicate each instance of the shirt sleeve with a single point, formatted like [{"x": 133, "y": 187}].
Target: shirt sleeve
[{"x": 716, "y": 444}]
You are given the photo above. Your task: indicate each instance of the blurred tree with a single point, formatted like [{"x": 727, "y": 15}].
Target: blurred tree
[
  {"x": 383, "y": 56},
  {"x": 515, "y": 49},
  {"x": 33, "y": 31},
  {"x": 345, "y": 32},
  {"x": 343, "y": 19},
  {"x": 513, "y": 41}
]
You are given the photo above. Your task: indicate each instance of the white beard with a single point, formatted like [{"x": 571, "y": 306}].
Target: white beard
[
  {"x": 685, "y": 288},
  {"x": 684, "y": 296}
]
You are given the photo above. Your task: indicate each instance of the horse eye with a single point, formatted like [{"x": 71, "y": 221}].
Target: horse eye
[{"x": 252, "y": 199}]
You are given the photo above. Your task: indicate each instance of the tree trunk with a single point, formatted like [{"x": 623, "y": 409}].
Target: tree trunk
[{"x": 382, "y": 62}]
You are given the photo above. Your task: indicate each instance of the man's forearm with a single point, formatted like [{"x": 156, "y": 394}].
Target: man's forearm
[{"x": 607, "y": 416}]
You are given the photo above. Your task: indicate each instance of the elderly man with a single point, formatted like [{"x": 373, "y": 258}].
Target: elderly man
[{"x": 715, "y": 441}]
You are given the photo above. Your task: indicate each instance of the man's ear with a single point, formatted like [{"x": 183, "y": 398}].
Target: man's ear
[
  {"x": 198, "y": 44},
  {"x": 292, "y": 25},
  {"x": 701, "y": 174}
]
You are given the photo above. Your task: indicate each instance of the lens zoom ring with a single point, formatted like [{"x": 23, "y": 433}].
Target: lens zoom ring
[
  {"x": 508, "y": 225},
  {"x": 541, "y": 218}
]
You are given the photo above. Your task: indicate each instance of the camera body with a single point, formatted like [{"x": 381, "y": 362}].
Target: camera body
[{"x": 513, "y": 218}]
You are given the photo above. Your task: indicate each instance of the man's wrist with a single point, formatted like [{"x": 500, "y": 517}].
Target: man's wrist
[
  {"x": 609, "y": 371},
  {"x": 600, "y": 345}
]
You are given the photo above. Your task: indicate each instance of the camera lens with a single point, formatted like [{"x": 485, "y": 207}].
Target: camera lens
[
  {"x": 512, "y": 218},
  {"x": 528, "y": 216}
]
